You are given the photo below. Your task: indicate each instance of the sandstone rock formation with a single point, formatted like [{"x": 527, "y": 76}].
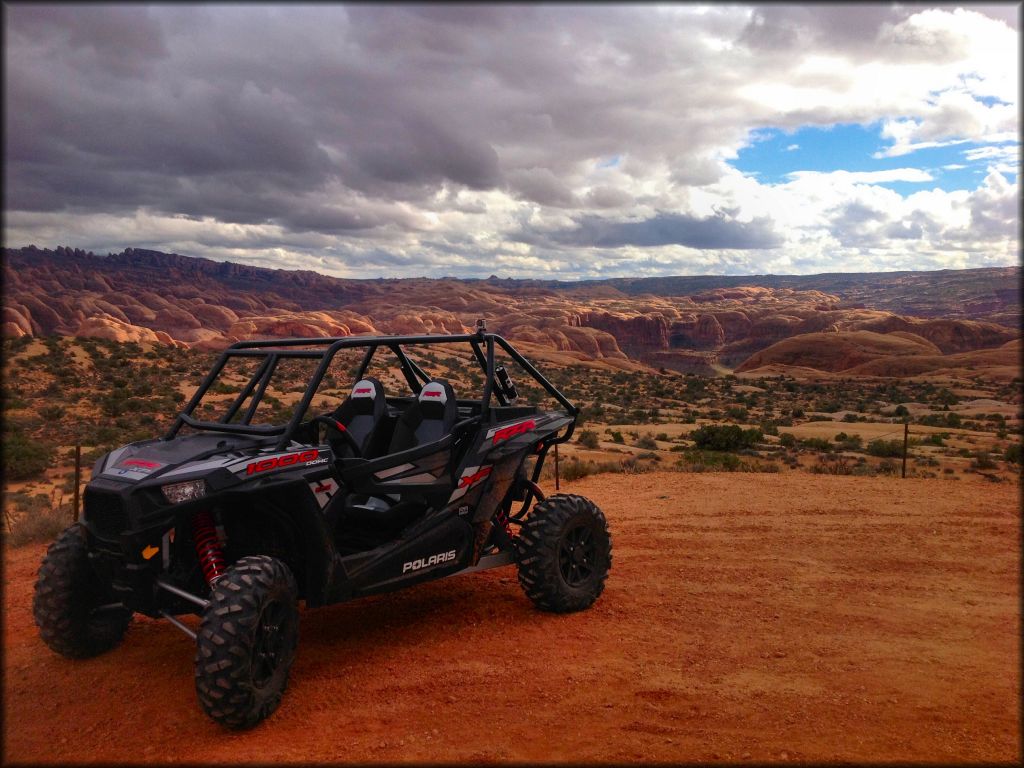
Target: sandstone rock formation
[{"x": 716, "y": 324}]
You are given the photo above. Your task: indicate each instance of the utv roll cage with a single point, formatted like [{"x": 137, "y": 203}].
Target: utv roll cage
[{"x": 496, "y": 380}]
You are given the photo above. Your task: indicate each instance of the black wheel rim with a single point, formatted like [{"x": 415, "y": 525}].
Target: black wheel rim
[
  {"x": 577, "y": 553},
  {"x": 268, "y": 648}
]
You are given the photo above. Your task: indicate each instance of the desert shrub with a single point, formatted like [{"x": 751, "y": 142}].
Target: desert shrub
[
  {"x": 847, "y": 442},
  {"x": 737, "y": 413},
  {"x": 820, "y": 417},
  {"x": 934, "y": 438},
  {"x": 901, "y": 410},
  {"x": 828, "y": 406},
  {"x": 618, "y": 438},
  {"x": 820, "y": 444},
  {"x": 588, "y": 439},
  {"x": 885, "y": 448},
  {"x": 51, "y": 412},
  {"x": 1012, "y": 453},
  {"x": 888, "y": 467},
  {"x": 663, "y": 436},
  {"x": 949, "y": 419},
  {"x": 838, "y": 465},
  {"x": 787, "y": 440},
  {"x": 769, "y": 428},
  {"x": 701, "y": 461},
  {"x": 650, "y": 455},
  {"x": 42, "y": 518},
  {"x": 24, "y": 457},
  {"x": 647, "y": 442},
  {"x": 850, "y": 418},
  {"x": 574, "y": 469},
  {"x": 716, "y": 437},
  {"x": 982, "y": 460}
]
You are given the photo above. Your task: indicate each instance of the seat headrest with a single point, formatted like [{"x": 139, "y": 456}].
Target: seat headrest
[
  {"x": 366, "y": 388},
  {"x": 437, "y": 391}
]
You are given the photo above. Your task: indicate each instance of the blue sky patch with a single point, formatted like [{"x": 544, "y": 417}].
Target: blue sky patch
[{"x": 850, "y": 147}]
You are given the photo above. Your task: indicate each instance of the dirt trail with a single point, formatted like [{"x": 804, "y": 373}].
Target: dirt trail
[{"x": 761, "y": 617}]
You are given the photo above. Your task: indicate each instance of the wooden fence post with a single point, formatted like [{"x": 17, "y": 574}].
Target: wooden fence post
[
  {"x": 906, "y": 438},
  {"x": 78, "y": 476}
]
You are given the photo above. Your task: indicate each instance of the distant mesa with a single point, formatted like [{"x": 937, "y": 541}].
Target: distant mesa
[{"x": 885, "y": 324}]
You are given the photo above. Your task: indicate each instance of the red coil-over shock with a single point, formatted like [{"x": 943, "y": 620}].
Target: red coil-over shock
[
  {"x": 208, "y": 549},
  {"x": 501, "y": 518}
]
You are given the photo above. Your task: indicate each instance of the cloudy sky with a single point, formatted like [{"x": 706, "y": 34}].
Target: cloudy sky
[{"x": 523, "y": 141}]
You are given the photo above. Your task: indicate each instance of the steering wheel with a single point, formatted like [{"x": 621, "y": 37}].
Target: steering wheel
[{"x": 337, "y": 426}]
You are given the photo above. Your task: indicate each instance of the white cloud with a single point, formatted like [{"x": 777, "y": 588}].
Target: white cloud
[{"x": 868, "y": 177}]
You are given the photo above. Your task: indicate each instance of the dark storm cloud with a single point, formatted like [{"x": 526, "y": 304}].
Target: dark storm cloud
[
  {"x": 713, "y": 232},
  {"x": 390, "y": 102},
  {"x": 372, "y": 122}
]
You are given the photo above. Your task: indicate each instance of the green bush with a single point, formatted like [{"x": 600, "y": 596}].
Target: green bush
[
  {"x": 949, "y": 419},
  {"x": 821, "y": 444},
  {"x": 588, "y": 439},
  {"x": 716, "y": 437},
  {"x": 618, "y": 438},
  {"x": 886, "y": 448},
  {"x": 24, "y": 457},
  {"x": 787, "y": 440},
  {"x": 1012, "y": 453},
  {"x": 737, "y": 413}
]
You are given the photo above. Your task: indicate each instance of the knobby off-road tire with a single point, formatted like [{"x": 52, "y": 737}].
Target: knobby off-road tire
[
  {"x": 71, "y": 606},
  {"x": 246, "y": 642},
  {"x": 564, "y": 552}
]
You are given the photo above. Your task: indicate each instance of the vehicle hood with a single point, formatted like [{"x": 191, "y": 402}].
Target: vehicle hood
[{"x": 177, "y": 457}]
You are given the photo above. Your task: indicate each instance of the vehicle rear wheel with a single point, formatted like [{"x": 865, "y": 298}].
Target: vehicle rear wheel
[
  {"x": 564, "y": 552},
  {"x": 76, "y": 613},
  {"x": 246, "y": 642}
]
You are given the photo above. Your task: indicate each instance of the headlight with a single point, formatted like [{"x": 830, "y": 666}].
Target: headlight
[{"x": 177, "y": 493}]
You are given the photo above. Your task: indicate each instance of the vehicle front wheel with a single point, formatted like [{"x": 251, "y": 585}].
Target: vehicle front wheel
[
  {"x": 76, "y": 613},
  {"x": 246, "y": 642},
  {"x": 564, "y": 552}
]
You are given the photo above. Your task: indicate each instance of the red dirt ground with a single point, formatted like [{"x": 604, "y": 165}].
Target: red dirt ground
[{"x": 782, "y": 617}]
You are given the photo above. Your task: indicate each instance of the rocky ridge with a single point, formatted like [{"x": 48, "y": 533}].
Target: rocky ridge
[{"x": 150, "y": 296}]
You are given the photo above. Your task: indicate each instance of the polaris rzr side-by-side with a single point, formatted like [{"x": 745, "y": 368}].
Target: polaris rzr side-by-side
[{"x": 236, "y": 521}]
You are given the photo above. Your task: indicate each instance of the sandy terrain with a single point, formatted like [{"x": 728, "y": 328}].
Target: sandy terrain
[{"x": 747, "y": 617}]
